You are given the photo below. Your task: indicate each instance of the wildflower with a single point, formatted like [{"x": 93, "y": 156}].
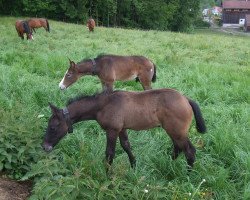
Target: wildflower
[{"x": 145, "y": 190}]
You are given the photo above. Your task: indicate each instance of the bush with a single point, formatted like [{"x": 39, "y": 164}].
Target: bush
[{"x": 199, "y": 23}]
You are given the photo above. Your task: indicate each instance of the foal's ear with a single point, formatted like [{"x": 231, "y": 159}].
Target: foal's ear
[
  {"x": 53, "y": 108},
  {"x": 72, "y": 63}
]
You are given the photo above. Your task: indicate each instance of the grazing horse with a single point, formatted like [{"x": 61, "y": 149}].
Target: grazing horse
[
  {"x": 120, "y": 110},
  {"x": 110, "y": 68},
  {"x": 91, "y": 24},
  {"x": 39, "y": 22},
  {"x": 23, "y": 27}
]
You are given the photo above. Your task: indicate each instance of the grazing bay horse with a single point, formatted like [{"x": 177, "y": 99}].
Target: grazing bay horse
[
  {"x": 39, "y": 22},
  {"x": 110, "y": 68},
  {"x": 91, "y": 24},
  {"x": 23, "y": 27},
  {"x": 120, "y": 110}
]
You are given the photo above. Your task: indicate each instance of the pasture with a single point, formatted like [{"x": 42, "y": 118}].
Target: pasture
[{"x": 211, "y": 68}]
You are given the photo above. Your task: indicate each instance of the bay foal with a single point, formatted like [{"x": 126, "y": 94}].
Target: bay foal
[
  {"x": 110, "y": 68},
  {"x": 118, "y": 111}
]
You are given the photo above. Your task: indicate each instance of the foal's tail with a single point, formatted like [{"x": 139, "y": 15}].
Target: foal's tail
[
  {"x": 200, "y": 123},
  {"x": 154, "y": 76},
  {"x": 47, "y": 22}
]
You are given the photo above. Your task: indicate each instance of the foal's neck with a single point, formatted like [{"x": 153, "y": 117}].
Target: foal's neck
[
  {"x": 85, "y": 109},
  {"x": 87, "y": 68}
]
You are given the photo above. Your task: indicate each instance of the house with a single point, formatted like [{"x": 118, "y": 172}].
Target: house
[
  {"x": 247, "y": 23},
  {"x": 216, "y": 10},
  {"x": 234, "y": 13}
]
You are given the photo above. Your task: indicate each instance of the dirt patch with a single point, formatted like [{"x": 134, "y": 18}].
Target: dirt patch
[{"x": 14, "y": 190}]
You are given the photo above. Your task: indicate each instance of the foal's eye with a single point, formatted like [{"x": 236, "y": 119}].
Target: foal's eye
[
  {"x": 68, "y": 75},
  {"x": 52, "y": 128}
]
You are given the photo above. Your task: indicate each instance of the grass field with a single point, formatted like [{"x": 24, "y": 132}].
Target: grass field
[{"x": 210, "y": 68}]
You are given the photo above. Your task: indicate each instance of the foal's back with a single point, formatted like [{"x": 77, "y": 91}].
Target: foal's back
[{"x": 144, "y": 110}]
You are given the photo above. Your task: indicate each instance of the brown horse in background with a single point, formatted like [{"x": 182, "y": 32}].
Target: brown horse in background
[
  {"x": 91, "y": 24},
  {"x": 110, "y": 68},
  {"x": 22, "y": 27},
  {"x": 118, "y": 111},
  {"x": 39, "y": 22}
]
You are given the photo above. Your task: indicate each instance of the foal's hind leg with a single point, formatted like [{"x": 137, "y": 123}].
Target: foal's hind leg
[
  {"x": 188, "y": 149},
  {"x": 146, "y": 84},
  {"x": 176, "y": 150},
  {"x": 107, "y": 86},
  {"x": 145, "y": 80},
  {"x": 123, "y": 136}
]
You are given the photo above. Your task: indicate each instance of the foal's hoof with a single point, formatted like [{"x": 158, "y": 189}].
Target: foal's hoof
[{"x": 133, "y": 164}]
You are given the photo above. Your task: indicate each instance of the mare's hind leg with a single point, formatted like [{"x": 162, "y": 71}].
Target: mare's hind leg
[{"x": 123, "y": 136}]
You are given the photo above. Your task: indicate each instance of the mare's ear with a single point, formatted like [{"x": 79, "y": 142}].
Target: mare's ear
[{"x": 53, "y": 108}]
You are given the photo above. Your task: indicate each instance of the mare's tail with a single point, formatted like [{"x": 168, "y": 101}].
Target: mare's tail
[
  {"x": 26, "y": 27},
  {"x": 154, "y": 76},
  {"x": 200, "y": 123},
  {"x": 48, "y": 29}
]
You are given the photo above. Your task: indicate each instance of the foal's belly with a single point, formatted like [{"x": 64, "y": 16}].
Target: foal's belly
[{"x": 141, "y": 123}]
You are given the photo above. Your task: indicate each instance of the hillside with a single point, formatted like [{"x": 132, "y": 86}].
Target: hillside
[{"x": 211, "y": 68}]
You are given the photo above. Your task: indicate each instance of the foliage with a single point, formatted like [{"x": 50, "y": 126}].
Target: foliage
[
  {"x": 200, "y": 23},
  {"x": 211, "y": 68},
  {"x": 160, "y": 14}
]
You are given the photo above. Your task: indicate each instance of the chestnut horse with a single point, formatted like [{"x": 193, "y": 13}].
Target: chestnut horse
[
  {"x": 91, "y": 24},
  {"x": 110, "y": 68},
  {"x": 23, "y": 27},
  {"x": 120, "y": 110},
  {"x": 39, "y": 22}
]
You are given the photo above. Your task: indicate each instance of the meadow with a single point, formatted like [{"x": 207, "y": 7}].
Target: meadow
[{"x": 211, "y": 68}]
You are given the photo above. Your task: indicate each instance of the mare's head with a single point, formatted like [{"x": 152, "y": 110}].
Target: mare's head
[
  {"x": 27, "y": 30},
  {"x": 70, "y": 76},
  {"x": 58, "y": 126}
]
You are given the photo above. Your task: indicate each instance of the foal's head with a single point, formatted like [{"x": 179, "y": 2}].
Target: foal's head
[
  {"x": 70, "y": 76},
  {"x": 58, "y": 127}
]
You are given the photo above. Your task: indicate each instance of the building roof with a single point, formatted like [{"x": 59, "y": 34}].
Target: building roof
[{"x": 236, "y": 4}]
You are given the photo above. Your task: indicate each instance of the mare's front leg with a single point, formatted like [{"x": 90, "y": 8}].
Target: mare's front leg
[
  {"x": 123, "y": 136},
  {"x": 110, "y": 148}
]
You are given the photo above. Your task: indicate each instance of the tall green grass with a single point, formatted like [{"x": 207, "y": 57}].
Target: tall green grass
[{"x": 212, "y": 69}]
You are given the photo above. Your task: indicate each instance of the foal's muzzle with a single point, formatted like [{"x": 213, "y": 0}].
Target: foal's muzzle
[
  {"x": 47, "y": 147},
  {"x": 61, "y": 86}
]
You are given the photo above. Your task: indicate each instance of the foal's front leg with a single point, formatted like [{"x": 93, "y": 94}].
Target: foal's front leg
[
  {"x": 110, "y": 148},
  {"x": 123, "y": 136}
]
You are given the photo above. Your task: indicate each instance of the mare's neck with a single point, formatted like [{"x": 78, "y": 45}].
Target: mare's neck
[
  {"x": 87, "y": 68},
  {"x": 83, "y": 110}
]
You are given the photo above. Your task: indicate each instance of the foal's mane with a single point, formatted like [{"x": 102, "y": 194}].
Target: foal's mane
[
  {"x": 83, "y": 97},
  {"x": 98, "y": 56}
]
